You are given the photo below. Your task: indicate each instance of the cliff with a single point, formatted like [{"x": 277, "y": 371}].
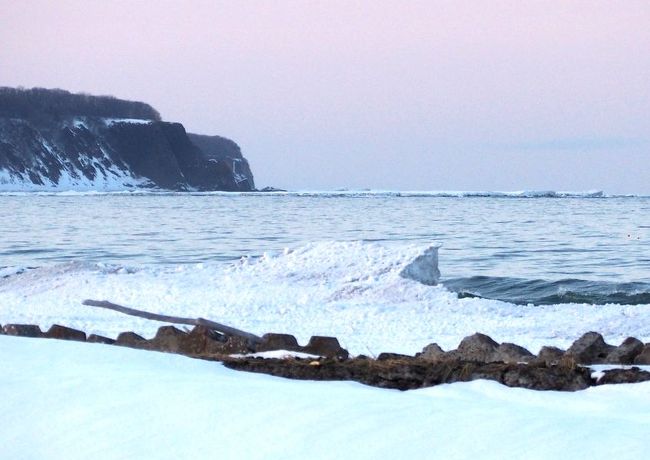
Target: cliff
[{"x": 55, "y": 140}]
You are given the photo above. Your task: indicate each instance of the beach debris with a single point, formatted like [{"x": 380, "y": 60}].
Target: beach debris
[{"x": 228, "y": 330}]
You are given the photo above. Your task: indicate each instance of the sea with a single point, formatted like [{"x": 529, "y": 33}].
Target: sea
[{"x": 534, "y": 268}]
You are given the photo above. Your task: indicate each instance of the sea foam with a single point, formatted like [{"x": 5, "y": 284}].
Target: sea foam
[{"x": 352, "y": 290}]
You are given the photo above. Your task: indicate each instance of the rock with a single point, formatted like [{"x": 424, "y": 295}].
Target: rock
[
  {"x": 326, "y": 346},
  {"x": 643, "y": 357},
  {"x": 386, "y": 356},
  {"x": 169, "y": 339},
  {"x": 424, "y": 268},
  {"x": 65, "y": 333},
  {"x": 590, "y": 349},
  {"x": 273, "y": 341},
  {"x": 547, "y": 378},
  {"x": 408, "y": 374},
  {"x": 432, "y": 352},
  {"x": 633, "y": 375},
  {"x": 478, "y": 347},
  {"x": 131, "y": 339},
  {"x": 94, "y": 338},
  {"x": 207, "y": 343},
  {"x": 511, "y": 353},
  {"x": 550, "y": 355},
  {"x": 203, "y": 340},
  {"x": 625, "y": 352},
  {"x": 22, "y": 330}
]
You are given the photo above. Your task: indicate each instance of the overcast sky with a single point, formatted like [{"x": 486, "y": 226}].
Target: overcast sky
[{"x": 453, "y": 95}]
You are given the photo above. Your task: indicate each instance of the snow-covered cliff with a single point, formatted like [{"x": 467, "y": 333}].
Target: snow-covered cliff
[{"x": 55, "y": 140}]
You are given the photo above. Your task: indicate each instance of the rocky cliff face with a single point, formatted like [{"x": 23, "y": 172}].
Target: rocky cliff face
[{"x": 47, "y": 146}]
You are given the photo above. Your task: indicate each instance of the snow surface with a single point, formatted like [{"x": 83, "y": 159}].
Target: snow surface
[
  {"x": 277, "y": 354},
  {"x": 350, "y": 290},
  {"x": 132, "y": 121},
  {"x": 106, "y": 178},
  {"x": 73, "y": 400}
]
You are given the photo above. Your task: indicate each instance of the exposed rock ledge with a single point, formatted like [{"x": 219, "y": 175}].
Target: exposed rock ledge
[{"x": 477, "y": 357}]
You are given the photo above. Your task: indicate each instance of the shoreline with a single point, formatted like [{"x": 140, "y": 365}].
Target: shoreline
[{"x": 477, "y": 357}]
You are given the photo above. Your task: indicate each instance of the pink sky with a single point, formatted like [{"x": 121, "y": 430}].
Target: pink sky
[{"x": 390, "y": 95}]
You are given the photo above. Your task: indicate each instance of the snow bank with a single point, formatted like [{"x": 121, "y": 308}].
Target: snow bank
[{"x": 74, "y": 400}]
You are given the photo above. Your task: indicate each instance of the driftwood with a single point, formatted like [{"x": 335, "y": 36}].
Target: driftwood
[{"x": 174, "y": 319}]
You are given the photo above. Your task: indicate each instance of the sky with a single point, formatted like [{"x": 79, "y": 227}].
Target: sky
[{"x": 417, "y": 95}]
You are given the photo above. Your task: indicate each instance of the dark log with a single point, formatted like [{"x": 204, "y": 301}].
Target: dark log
[{"x": 174, "y": 319}]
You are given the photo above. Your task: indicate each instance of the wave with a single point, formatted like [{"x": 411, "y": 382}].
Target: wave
[
  {"x": 541, "y": 292},
  {"x": 135, "y": 190},
  {"x": 351, "y": 290},
  {"x": 456, "y": 194}
]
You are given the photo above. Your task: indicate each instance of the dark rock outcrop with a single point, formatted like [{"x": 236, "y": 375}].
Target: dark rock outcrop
[
  {"x": 477, "y": 347},
  {"x": 550, "y": 355},
  {"x": 272, "y": 341},
  {"x": 131, "y": 339},
  {"x": 91, "y": 142},
  {"x": 412, "y": 373},
  {"x": 477, "y": 357},
  {"x": 325, "y": 346},
  {"x": 94, "y": 338},
  {"x": 625, "y": 352},
  {"x": 65, "y": 333},
  {"x": 511, "y": 353},
  {"x": 206, "y": 343},
  {"x": 643, "y": 357},
  {"x": 22, "y": 330},
  {"x": 169, "y": 339},
  {"x": 590, "y": 349},
  {"x": 388, "y": 356},
  {"x": 226, "y": 158},
  {"x": 432, "y": 352},
  {"x": 633, "y": 375}
]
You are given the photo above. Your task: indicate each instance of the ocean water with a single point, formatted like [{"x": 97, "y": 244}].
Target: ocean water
[{"x": 533, "y": 268}]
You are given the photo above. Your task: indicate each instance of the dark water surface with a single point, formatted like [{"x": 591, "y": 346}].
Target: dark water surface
[{"x": 522, "y": 250}]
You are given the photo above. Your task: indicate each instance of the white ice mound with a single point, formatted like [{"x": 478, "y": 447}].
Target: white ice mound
[{"x": 424, "y": 269}]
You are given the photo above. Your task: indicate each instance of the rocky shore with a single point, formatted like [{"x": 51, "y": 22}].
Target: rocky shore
[{"x": 477, "y": 357}]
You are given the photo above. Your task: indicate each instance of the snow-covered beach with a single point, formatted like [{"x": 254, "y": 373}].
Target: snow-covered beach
[
  {"x": 316, "y": 265},
  {"x": 74, "y": 400}
]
